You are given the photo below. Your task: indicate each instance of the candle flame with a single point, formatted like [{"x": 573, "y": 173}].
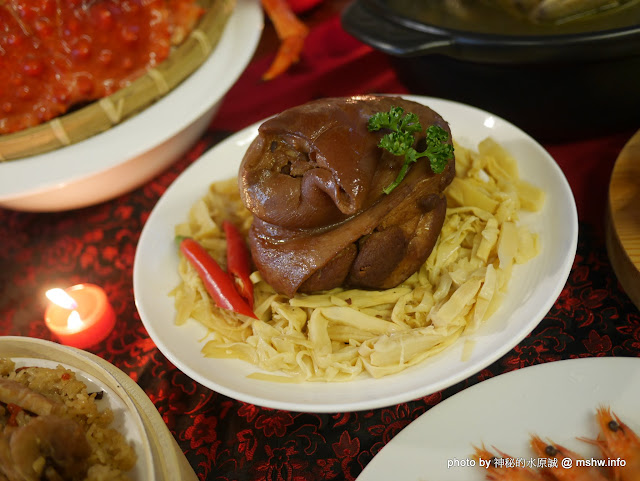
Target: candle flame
[
  {"x": 74, "y": 321},
  {"x": 60, "y": 298}
]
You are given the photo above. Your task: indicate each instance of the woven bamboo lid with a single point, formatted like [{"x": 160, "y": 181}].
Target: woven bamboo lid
[
  {"x": 109, "y": 111},
  {"x": 623, "y": 220}
]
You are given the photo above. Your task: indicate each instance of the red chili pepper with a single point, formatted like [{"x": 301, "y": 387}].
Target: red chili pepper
[
  {"x": 218, "y": 283},
  {"x": 238, "y": 263},
  {"x": 13, "y": 409}
]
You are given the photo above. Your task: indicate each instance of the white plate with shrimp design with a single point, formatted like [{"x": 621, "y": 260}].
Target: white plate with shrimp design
[
  {"x": 556, "y": 401},
  {"x": 533, "y": 288}
]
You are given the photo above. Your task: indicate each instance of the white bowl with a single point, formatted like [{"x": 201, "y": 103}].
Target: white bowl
[
  {"x": 26, "y": 351},
  {"x": 159, "y": 455},
  {"x": 131, "y": 153}
]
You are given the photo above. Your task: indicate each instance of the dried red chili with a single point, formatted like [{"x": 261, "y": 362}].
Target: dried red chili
[
  {"x": 218, "y": 283},
  {"x": 14, "y": 410},
  {"x": 238, "y": 261}
]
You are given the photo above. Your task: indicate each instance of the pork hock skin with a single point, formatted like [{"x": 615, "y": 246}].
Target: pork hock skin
[{"x": 313, "y": 179}]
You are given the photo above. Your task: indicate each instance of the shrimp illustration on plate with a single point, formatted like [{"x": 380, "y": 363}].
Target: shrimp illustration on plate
[
  {"x": 617, "y": 441},
  {"x": 619, "y": 459},
  {"x": 564, "y": 471},
  {"x": 499, "y": 469}
]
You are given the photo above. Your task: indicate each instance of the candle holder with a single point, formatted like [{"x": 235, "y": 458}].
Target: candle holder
[{"x": 82, "y": 319}]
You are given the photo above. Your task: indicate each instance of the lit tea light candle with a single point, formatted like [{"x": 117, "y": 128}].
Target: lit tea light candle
[{"x": 79, "y": 316}]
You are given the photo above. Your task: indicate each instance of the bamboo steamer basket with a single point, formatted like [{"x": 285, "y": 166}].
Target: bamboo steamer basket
[
  {"x": 161, "y": 456},
  {"x": 104, "y": 113},
  {"x": 623, "y": 218}
]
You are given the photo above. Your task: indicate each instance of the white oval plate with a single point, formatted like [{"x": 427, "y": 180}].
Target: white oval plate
[
  {"x": 533, "y": 289},
  {"x": 125, "y": 156},
  {"x": 556, "y": 401}
]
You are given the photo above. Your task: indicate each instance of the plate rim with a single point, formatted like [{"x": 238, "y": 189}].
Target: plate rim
[{"x": 246, "y": 135}]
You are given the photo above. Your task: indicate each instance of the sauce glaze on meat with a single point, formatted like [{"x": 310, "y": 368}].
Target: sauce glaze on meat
[{"x": 314, "y": 178}]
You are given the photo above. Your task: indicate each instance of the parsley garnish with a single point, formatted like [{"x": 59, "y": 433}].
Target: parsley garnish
[{"x": 401, "y": 138}]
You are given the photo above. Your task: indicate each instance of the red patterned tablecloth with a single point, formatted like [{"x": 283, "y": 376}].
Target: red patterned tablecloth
[{"x": 225, "y": 439}]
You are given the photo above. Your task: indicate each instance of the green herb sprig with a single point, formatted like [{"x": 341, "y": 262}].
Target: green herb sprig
[{"x": 401, "y": 138}]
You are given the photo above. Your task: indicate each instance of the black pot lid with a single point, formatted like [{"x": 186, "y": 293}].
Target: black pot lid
[
  {"x": 513, "y": 17},
  {"x": 479, "y": 32}
]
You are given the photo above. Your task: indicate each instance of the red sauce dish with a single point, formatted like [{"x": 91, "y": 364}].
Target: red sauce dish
[{"x": 57, "y": 54}]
